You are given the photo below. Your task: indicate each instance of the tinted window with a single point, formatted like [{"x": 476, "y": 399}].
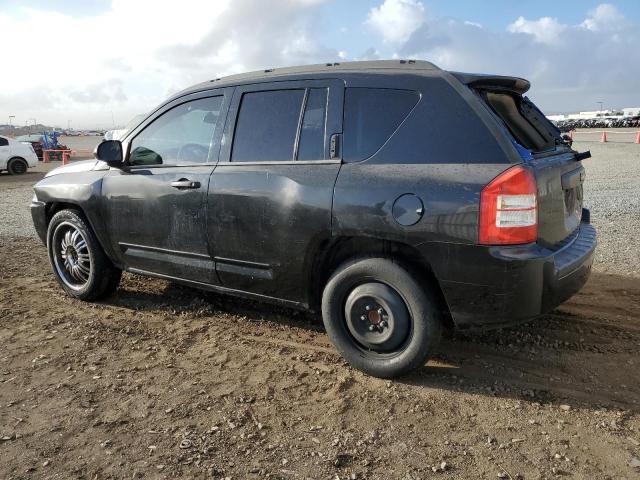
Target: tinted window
[
  {"x": 3, "y": 142},
  {"x": 371, "y": 115},
  {"x": 267, "y": 126},
  {"x": 182, "y": 135},
  {"x": 312, "y": 131}
]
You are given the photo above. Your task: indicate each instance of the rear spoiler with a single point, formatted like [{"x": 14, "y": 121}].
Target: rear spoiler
[{"x": 478, "y": 80}]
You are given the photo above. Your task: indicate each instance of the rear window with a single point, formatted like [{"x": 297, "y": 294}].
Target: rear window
[
  {"x": 371, "y": 115},
  {"x": 267, "y": 126},
  {"x": 526, "y": 123},
  {"x": 3, "y": 142},
  {"x": 312, "y": 130}
]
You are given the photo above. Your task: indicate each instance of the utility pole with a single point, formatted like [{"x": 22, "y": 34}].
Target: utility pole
[
  {"x": 600, "y": 106},
  {"x": 10, "y": 117}
]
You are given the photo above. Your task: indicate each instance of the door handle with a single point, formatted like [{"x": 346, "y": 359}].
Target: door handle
[{"x": 184, "y": 183}]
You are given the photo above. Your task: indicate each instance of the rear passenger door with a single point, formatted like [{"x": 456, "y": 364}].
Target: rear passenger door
[{"x": 269, "y": 202}]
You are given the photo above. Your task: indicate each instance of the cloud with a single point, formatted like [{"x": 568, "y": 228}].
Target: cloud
[
  {"x": 572, "y": 72},
  {"x": 286, "y": 34},
  {"x": 544, "y": 30},
  {"x": 369, "y": 54},
  {"x": 127, "y": 58},
  {"x": 605, "y": 17},
  {"x": 473, "y": 24},
  {"x": 99, "y": 93},
  {"x": 396, "y": 20},
  {"x": 131, "y": 56}
]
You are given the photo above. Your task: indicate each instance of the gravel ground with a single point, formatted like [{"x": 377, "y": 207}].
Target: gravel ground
[
  {"x": 612, "y": 192},
  {"x": 15, "y": 198},
  {"x": 15, "y": 218}
]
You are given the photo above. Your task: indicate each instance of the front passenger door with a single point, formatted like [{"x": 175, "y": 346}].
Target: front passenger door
[{"x": 154, "y": 208}]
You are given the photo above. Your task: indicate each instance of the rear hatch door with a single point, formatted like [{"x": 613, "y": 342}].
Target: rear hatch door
[
  {"x": 559, "y": 174},
  {"x": 559, "y": 178}
]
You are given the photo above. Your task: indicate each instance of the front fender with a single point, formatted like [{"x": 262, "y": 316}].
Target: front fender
[{"x": 80, "y": 189}]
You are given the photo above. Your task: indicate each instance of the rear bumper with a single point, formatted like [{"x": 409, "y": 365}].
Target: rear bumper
[{"x": 490, "y": 287}]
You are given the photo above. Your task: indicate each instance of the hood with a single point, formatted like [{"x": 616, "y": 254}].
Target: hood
[{"x": 76, "y": 167}]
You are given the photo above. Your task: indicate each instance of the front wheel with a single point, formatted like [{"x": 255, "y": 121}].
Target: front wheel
[
  {"x": 380, "y": 318},
  {"x": 78, "y": 261}
]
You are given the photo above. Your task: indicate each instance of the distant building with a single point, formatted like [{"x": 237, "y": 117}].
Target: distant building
[{"x": 631, "y": 112}]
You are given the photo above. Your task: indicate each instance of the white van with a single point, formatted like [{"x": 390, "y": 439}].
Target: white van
[{"x": 16, "y": 157}]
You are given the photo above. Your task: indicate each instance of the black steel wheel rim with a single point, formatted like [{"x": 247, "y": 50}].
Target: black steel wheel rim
[
  {"x": 377, "y": 318},
  {"x": 71, "y": 255}
]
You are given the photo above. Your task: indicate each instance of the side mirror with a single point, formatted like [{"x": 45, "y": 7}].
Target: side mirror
[{"x": 110, "y": 152}]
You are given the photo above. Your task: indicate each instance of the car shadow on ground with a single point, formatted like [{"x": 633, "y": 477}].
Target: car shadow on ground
[{"x": 584, "y": 352}]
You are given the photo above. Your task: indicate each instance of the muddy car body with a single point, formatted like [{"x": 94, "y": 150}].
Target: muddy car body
[{"x": 396, "y": 197}]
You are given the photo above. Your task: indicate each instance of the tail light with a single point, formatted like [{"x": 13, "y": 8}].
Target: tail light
[{"x": 508, "y": 208}]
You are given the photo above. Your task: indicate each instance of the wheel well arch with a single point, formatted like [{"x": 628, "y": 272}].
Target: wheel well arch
[
  {"x": 17, "y": 158},
  {"x": 51, "y": 208},
  {"x": 339, "y": 250}
]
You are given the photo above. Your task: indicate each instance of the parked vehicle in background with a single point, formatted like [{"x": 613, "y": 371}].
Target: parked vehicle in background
[
  {"x": 16, "y": 157},
  {"x": 397, "y": 198},
  {"x": 605, "y": 122},
  {"x": 35, "y": 140},
  {"x": 120, "y": 133}
]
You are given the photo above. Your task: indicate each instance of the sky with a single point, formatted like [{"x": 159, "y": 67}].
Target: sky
[{"x": 97, "y": 63}]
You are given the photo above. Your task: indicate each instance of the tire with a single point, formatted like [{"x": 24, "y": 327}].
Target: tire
[
  {"x": 17, "y": 166},
  {"x": 364, "y": 293},
  {"x": 77, "y": 259}
]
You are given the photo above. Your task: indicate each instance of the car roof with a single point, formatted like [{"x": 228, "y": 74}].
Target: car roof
[{"x": 306, "y": 71}]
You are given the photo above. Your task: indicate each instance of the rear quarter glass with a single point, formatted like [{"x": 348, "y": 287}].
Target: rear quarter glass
[
  {"x": 443, "y": 128},
  {"x": 371, "y": 115}
]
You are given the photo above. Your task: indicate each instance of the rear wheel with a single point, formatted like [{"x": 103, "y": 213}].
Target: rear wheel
[
  {"x": 380, "y": 319},
  {"x": 17, "y": 166},
  {"x": 78, "y": 261}
]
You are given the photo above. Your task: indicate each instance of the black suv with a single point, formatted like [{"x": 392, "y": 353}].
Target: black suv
[{"x": 397, "y": 197}]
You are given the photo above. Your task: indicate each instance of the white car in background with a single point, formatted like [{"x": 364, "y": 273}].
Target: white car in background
[{"x": 16, "y": 157}]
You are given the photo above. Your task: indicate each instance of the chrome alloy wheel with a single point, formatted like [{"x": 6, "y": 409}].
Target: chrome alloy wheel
[{"x": 71, "y": 255}]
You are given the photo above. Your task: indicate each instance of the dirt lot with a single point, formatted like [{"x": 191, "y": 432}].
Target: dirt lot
[{"x": 162, "y": 381}]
